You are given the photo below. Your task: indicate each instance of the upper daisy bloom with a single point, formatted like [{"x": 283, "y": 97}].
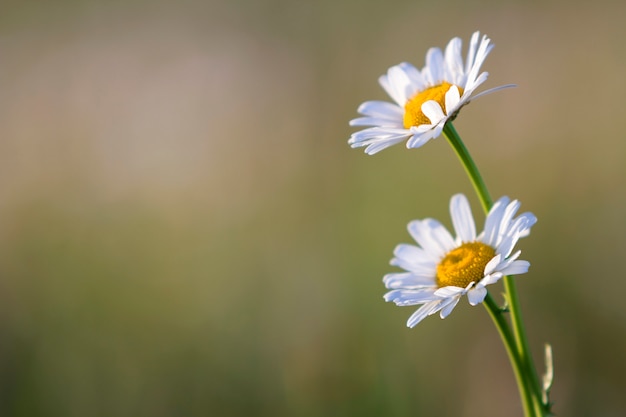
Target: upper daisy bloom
[
  {"x": 424, "y": 100},
  {"x": 444, "y": 268}
]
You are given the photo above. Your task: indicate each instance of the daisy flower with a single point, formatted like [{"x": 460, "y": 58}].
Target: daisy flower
[
  {"x": 443, "y": 268},
  {"x": 424, "y": 100}
]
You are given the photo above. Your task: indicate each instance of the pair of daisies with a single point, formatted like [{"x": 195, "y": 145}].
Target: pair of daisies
[{"x": 442, "y": 268}]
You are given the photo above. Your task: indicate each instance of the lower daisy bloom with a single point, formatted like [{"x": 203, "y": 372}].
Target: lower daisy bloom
[
  {"x": 424, "y": 100},
  {"x": 443, "y": 268}
]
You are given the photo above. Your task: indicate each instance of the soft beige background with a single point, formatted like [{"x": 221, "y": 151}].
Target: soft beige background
[{"x": 185, "y": 232}]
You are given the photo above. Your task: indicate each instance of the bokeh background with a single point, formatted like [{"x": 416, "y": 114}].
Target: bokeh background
[{"x": 185, "y": 232}]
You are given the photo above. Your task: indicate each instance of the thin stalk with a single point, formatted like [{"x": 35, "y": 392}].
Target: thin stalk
[
  {"x": 525, "y": 391},
  {"x": 520, "y": 338},
  {"x": 470, "y": 167}
]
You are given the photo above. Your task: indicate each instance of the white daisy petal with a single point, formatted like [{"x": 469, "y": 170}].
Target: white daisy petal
[
  {"x": 513, "y": 228},
  {"x": 448, "y": 307},
  {"x": 404, "y": 250},
  {"x": 404, "y": 297},
  {"x": 421, "y": 138},
  {"x": 422, "y": 266},
  {"x": 408, "y": 280},
  {"x": 530, "y": 221},
  {"x": 481, "y": 54},
  {"x": 414, "y": 266},
  {"x": 433, "y": 111},
  {"x": 375, "y": 147},
  {"x": 414, "y": 259},
  {"x": 436, "y": 131},
  {"x": 454, "y": 61},
  {"x": 377, "y": 138},
  {"x": 491, "y": 279},
  {"x": 376, "y": 134},
  {"x": 492, "y": 223},
  {"x": 509, "y": 213},
  {"x": 423, "y": 312},
  {"x": 509, "y": 260},
  {"x": 473, "y": 83},
  {"x": 476, "y": 295},
  {"x": 492, "y": 265},
  {"x": 452, "y": 100},
  {"x": 516, "y": 268},
  {"x": 449, "y": 291},
  {"x": 471, "y": 53},
  {"x": 432, "y": 236},
  {"x": 381, "y": 109},
  {"x": 478, "y": 58},
  {"x": 422, "y": 129},
  {"x": 492, "y": 90},
  {"x": 375, "y": 121},
  {"x": 462, "y": 219},
  {"x": 434, "y": 72},
  {"x": 506, "y": 245},
  {"x": 414, "y": 76},
  {"x": 401, "y": 85},
  {"x": 390, "y": 85}
]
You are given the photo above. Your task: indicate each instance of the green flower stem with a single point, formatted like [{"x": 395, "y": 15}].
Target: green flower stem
[
  {"x": 470, "y": 167},
  {"x": 522, "y": 341},
  {"x": 497, "y": 315},
  {"x": 529, "y": 383}
]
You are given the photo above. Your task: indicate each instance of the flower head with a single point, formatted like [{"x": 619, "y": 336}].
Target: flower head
[
  {"x": 424, "y": 100},
  {"x": 442, "y": 268}
]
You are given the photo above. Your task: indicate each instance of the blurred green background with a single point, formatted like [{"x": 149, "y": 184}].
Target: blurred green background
[{"x": 185, "y": 232}]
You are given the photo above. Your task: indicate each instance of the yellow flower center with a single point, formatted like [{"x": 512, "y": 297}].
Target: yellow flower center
[
  {"x": 413, "y": 115},
  {"x": 464, "y": 264}
]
